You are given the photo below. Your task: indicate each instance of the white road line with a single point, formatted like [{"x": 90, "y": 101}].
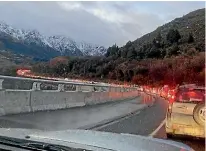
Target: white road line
[
  {"x": 116, "y": 121},
  {"x": 158, "y": 128}
]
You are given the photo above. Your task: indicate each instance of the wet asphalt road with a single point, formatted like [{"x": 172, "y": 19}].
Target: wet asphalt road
[
  {"x": 72, "y": 118},
  {"x": 145, "y": 122},
  {"x": 142, "y": 123}
]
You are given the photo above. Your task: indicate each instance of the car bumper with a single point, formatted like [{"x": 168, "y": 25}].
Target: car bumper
[
  {"x": 184, "y": 127},
  {"x": 186, "y": 131}
]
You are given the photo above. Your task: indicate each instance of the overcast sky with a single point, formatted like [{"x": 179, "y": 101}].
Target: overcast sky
[{"x": 103, "y": 23}]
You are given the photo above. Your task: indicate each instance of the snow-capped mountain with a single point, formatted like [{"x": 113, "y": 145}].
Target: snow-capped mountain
[
  {"x": 91, "y": 50},
  {"x": 65, "y": 45},
  {"x": 27, "y": 36},
  {"x": 61, "y": 44}
]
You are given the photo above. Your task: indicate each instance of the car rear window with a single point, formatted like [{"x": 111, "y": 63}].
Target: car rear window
[{"x": 190, "y": 95}]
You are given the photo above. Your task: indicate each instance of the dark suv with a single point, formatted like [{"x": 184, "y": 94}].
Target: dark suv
[{"x": 186, "y": 112}]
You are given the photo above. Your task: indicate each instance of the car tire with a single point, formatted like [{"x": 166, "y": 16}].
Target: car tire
[{"x": 196, "y": 113}]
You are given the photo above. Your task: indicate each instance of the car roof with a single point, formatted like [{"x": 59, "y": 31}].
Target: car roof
[
  {"x": 194, "y": 87},
  {"x": 187, "y": 85}
]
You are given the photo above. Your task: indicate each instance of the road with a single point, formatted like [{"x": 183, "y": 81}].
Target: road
[
  {"x": 73, "y": 118},
  {"x": 149, "y": 122},
  {"x": 142, "y": 120},
  {"x": 142, "y": 123}
]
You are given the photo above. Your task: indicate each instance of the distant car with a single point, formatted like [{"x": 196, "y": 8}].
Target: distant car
[
  {"x": 171, "y": 94},
  {"x": 158, "y": 91},
  {"x": 164, "y": 91},
  {"x": 155, "y": 91},
  {"x": 186, "y": 112}
]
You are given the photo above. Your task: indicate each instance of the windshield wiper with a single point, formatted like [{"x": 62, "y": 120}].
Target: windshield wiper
[
  {"x": 50, "y": 147},
  {"x": 31, "y": 145}
]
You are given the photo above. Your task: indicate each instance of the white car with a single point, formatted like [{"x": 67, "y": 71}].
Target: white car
[
  {"x": 83, "y": 140},
  {"x": 186, "y": 112}
]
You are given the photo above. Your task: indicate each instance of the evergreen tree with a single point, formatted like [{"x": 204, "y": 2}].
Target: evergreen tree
[
  {"x": 173, "y": 36},
  {"x": 131, "y": 54},
  {"x": 112, "y": 51},
  {"x": 190, "y": 38},
  {"x": 124, "y": 53}
]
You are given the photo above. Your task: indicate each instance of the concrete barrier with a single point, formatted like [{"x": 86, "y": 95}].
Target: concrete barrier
[
  {"x": 12, "y": 102},
  {"x": 93, "y": 98},
  {"x": 45, "y": 100},
  {"x": 99, "y": 97},
  {"x": 20, "y": 101}
]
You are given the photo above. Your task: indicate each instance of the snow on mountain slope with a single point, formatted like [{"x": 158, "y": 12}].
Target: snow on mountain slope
[
  {"x": 91, "y": 50},
  {"x": 62, "y": 44},
  {"x": 27, "y": 36}
]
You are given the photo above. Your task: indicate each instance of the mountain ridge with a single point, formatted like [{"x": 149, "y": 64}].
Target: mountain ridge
[
  {"x": 64, "y": 46},
  {"x": 191, "y": 23},
  {"x": 172, "y": 54}
]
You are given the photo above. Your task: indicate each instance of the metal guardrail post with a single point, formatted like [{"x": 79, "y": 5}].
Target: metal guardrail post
[
  {"x": 60, "y": 87},
  {"x": 36, "y": 86},
  {"x": 94, "y": 89},
  {"x": 78, "y": 88},
  {"x": 122, "y": 89},
  {"x": 1, "y": 83}
]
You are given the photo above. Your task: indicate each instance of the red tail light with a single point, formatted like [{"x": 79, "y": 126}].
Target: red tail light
[{"x": 171, "y": 99}]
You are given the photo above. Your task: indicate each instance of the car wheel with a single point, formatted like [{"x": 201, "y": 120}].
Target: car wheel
[{"x": 199, "y": 113}]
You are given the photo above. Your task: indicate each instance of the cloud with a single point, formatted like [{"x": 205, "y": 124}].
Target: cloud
[
  {"x": 98, "y": 9},
  {"x": 128, "y": 22},
  {"x": 98, "y": 22}
]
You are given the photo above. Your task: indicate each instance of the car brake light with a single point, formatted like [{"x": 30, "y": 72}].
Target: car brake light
[{"x": 192, "y": 94}]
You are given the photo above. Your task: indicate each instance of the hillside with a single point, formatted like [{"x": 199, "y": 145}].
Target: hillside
[
  {"x": 190, "y": 28},
  {"x": 193, "y": 23},
  {"x": 10, "y": 61},
  {"x": 172, "y": 54},
  {"x": 36, "y": 51},
  {"x": 40, "y": 47}
]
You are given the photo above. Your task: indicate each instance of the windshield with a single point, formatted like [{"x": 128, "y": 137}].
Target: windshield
[{"x": 111, "y": 67}]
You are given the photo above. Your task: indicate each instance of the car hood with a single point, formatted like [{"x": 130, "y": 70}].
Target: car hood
[{"x": 104, "y": 140}]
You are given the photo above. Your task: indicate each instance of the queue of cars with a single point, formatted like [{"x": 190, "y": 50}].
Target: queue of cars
[{"x": 186, "y": 110}]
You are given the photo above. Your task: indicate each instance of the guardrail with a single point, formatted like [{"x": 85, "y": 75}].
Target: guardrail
[
  {"x": 20, "y": 95},
  {"x": 41, "y": 84}
]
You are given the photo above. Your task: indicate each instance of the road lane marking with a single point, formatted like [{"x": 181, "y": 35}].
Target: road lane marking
[
  {"x": 116, "y": 121},
  {"x": 158, "y": 128}
]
